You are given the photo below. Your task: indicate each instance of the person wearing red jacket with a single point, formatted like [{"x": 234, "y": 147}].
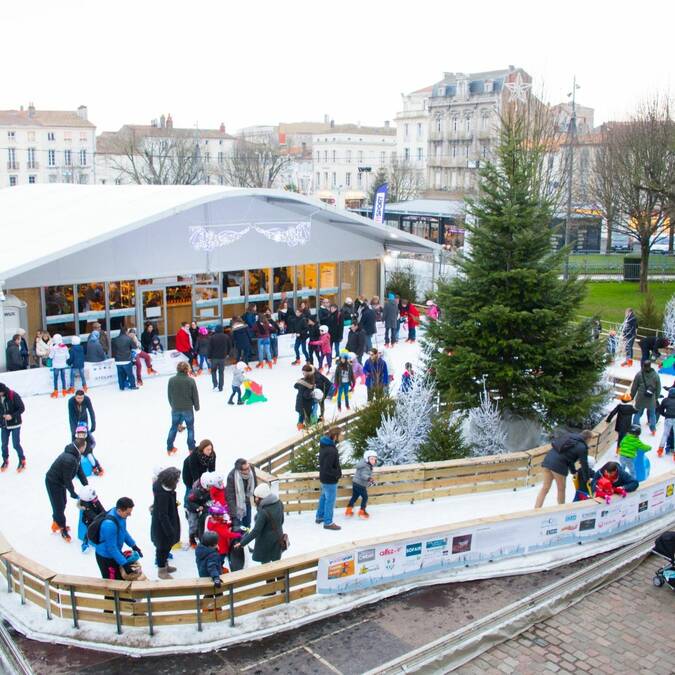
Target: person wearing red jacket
[
  {"x": 220, "y": 523},
  {"x": 184, "y": 343},
  {"x": 412, "y": 315}
]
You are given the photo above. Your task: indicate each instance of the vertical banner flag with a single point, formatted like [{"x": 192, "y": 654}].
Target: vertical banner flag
[{"x": 380, "y": 201}]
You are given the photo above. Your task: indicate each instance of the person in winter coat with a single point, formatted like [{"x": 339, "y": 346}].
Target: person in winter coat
[
  {"x": 623, "y": 412},
  {"x": 367, "y": 324},
  {"x": 147, "y": 336},
  {"x": 323, "y": 348},
  {"x": 348, "y": 312},
  {"x": 102, "y": 337},
  {"x": 561, "y": 459},
  {"x": 329, "y": 476},
  {"x": 336, "y": 328},
  {"x": 113, "y": 535},
  {"x": 139, "y": 356},
  {"x": 156, "y": 347},
  {"x": 59, "y": 480},
  {"x": 263, "y": 331},
  {"x": 219, "y": 521},
  {"x": 95, "y": 352},
  {"x": 301, "y": 328},
  {"x": 90, "y": 507},
  {"x": 618, "y": 477},
  {"x": 165, "y": 524},
  {"x": 645, "y": 388},
  {"x": 356, "y": 341},
  {"x": 184, "y": 401},
  {"x": 81, "y": 411},
  {"x": 304, "y": 398},
  {"x": 238, "y": 379},
  {"x": 250, "y": 316},
  {"x": 667, "y": 410},
  {"x": 58, "y": 353},
  {"x": 629, "y": 448},
  {"x": 313, "y": 334},
  {"x": 11, "y": 410},
  {"x": 630, "y": 330},
  {"x": 13, "y": 354},
  {"x": 407, "y": 378},
  {"x": 122, "y": 346},
  {"x": 76, "y": 360},
  {"x": 185, "y": 345},
  {"x": 377, "y": 375},
  {"x": 41, "y": 348},
  {"x": 268, "y": 529},
  {"x": 203, "y": 340},
  {"x": 344, "y": 380},
  {"x": 432, "y": 310},
  {"x": 242, "y": 341},
  {"x": 412, "y": 317},
  {"x": 390, "y": 316},
  {"x": 361, "y": 481},
  {"x": 322, "y": 383},
  {"x": 198, "y": 462},
  {"x": 650, "y": 346},
  {"x": 207, "y": 558},
  {"x": 239, "y": 488},
  {"x": 23, "y": 348},
  {"x": 220, "y": 346}
]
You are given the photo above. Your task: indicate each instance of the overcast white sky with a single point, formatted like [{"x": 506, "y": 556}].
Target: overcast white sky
[{"x": 262, "y": 62}]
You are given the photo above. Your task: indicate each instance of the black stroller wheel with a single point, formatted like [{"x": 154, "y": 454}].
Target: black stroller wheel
[{"x": 658, "y": 581}]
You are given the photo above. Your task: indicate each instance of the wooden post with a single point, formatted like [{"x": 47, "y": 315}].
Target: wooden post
[
  {"x": 287, "y": 585},
  {"x": 232, "y": 605},
  {"x": 118, "y": 618},
  {"x": 199, "y": 614},
  {"x": 150, "y": 626},
  {"x": 73, "y": 605},
  {"x": 8, "y": 568},
  {"x": 48, "y": 602},
  {"x": 22, "y": 589}
]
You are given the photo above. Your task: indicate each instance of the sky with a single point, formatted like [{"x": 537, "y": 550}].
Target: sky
[{"x": 245, "y": 63}]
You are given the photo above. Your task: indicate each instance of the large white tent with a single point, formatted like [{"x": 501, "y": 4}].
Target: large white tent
[{"x": 54, "y": 234}]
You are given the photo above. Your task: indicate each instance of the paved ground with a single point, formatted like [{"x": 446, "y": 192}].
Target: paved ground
[
  {"x": 640, "y": 628},
  {"x": 628, "y": 627}
]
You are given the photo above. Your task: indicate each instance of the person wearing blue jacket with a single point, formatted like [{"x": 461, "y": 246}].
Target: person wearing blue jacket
[
  {"x": 377, "y": 375},
  {"x": 95, "y": 351},
  {"x": 112, "y": 536},
  {"x": 76, "y": 362}
]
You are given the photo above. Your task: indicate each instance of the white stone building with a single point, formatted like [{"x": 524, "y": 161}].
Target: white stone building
[
  {"x": 412, "y": 129},
  {"x": 120, "y": 154},
  {"x": 346, "y": 159},
  {"x": 46, "y": 146}
]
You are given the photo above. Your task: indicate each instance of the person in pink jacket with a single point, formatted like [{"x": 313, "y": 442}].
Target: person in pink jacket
[
  {"x": 323, "y": 346},
  {"x": 432, "y": 310}
]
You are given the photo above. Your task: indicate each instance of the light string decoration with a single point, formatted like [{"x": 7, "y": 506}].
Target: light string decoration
[{"x": 208, "y": 237}]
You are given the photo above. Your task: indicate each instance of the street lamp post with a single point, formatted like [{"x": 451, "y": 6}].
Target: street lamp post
[{"x": 571, "y": 136}]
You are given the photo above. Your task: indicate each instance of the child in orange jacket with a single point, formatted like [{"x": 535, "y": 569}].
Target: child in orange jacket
[{"x": 220, "y": 523}]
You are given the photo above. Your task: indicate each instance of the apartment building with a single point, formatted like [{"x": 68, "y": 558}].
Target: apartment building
[{"x": 412, "y": 129}]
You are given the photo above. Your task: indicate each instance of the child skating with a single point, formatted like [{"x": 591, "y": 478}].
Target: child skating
[
  {"x": 361, "y": 481},
  {"x": 90, "y": 507},
  {"x": 344, "y": 380},
  {"x": 323, "y": 348},
  {"x": 219, "y": 522},
  {"x": 238, "y": 378}
]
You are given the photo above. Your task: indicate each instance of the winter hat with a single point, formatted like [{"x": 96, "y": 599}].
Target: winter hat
[
  {"x": 57, "y": 339},
  {"x": 208, "y": 479},
  {"x": 368, "y": 454},
  {"x": 261, "y": 491},
  {"x": 87, "y": 493},
  {"x": 22, "y": 332},
  {"x": 75, "y": 340},
  {"x": 217, "y": 509},
  {"x": 203, "y": 330},
  {"x": 81, "y": 429},
  {"x": 391, "y": 296},
  {"x": 241, "y": 366},
  {"x": 323, "y": 329},
  {"x": 348, "y": 301},
  {"x": 94, "y": 335},
  {"x": 626, "y": 397},
  {"x": 352, "y": 356},
  {"x": 317, "y": 394},
  {"x": 430, "y": 302},
  {"x": 156, "y": 470}
]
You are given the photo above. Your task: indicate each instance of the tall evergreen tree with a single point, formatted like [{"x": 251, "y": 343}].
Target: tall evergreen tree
[{"x": 508, "y": 314}]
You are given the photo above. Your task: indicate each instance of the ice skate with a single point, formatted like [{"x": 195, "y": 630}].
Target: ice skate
[
  {"x": 269, "y": 365},
  {"x": 163, "y": 573},
  {"x": 172, "y": 451},
  {"x": 349, "y": 511},
  {"x": 22, "y": 466},
  {"x": 139, "y": 383},
  {"x": 64, "y": 392},
  {"x": 260, "y": 364},
  {"x": 55, "y": 527},
  {"x": 170, "y": 568},
  {"x": 5, "y": 464},
  {"x": 248, "y": 369},
  {"x": 71, "y": 390},
  {"x": 301, "y": 426},
  {"x": 54, "y": 394},
  {"x": 274, "y": 360},
  {"x": 65, "y": 534},
  {"x": 240, "y": 402},
  {"x": 363, "y": 514},
  {"x": 659, "y": 452}
]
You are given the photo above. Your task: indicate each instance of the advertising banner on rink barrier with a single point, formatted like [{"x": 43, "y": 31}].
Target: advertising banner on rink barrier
[{"x": 481, "y": 543}]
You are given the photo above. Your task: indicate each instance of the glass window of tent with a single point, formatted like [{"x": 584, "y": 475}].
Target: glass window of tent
[
  {"x": 122, "y": 300},
  {"x": 233, "y": 294},
  {"x": 328, "y": 282},
  {"x": 59, "y": 310},
  {"x": 306, "y": 286},
  {"x": 259, "y": 287},
  {"x": 282, "y": 282}
]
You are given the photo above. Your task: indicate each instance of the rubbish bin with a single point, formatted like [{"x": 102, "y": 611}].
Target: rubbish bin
[{"x": 631, "y": 269}]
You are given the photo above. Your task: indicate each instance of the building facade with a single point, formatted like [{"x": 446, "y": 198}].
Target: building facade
[
  {"x": 412, "y": 129},
  {"x": 464, "y": 113},
  {"x": 346, "y": 159},
  {"x": 46, "y": 146}
]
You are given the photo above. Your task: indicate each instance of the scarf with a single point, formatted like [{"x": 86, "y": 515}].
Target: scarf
[{"x": 243, "y": 495}]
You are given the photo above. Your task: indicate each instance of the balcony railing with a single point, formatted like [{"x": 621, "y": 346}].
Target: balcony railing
[
  {"x": 33, "y": 165},
  {"x": 13, "y": 166}
]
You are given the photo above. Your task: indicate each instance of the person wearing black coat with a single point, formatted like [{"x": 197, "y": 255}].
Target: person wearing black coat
[
  {"x": 314, "y": 334},
  {"x": 220, "y": 346},
  {"x": 11, "y": 410},
  {"x": 59, "y": 480},
  {"x": 619, "y": 477},
  {"x": 624, "y": 417},
  {"x": 147, "y": 336},
  {"x": 81, "y": 411},
  {"x": 356, "y": 341},
  {"x": 165, "y": 524},
  {"x": 13, "y": 354},
  {"x": 122, "y": 347},
  {"x": 330, "y": 473},
  {"x": 304, "y": 398},
  {"x": 367, "y": 323},
  {"x": 561, "y": 459},
  {"x": 301, "y": 330},
  {"x": 651, "y": 345},
  {"x": 336, "y": 328},
  {"x": 201, "y": 460}
]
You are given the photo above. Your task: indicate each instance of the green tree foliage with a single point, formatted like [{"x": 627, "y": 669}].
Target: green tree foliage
[
  {"x": 648, "y": 314},
  {"x": 445, "y": 440},
  {"x": 402, "y": 282},
  {"x": 368, "y": 423},
  {"x": 508, "y": 315},
  {"x": 379, "y": 179}
]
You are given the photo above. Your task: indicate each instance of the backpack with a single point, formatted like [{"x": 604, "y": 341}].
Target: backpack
[{"x": 94, "y": 529}]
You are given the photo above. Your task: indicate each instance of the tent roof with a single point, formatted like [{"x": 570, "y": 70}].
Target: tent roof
[{"x": 44, "y": 223}]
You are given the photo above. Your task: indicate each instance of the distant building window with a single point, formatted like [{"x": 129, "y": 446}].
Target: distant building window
[
  {"x": 382, "y": 158},
  {"x": 83, "y": 178},
  {"x": 325, "y": 178},
  {"x": 318, "y": 156},
  {"x": 325, "y": 155},
  {"x": 12, "y": 181},
  {"x": 83, "y": 157},
  {"x": 485, "y": 151},
  {"x": 50, "y": 136},
  {"x": 11, "y": 159},
  {"x": 359, "y": 178},
  {"x": 221, "y": 180},
  {"x": 53, "y": 178},
  {"x": 31, "y": 158},
  {"x": 419, "y": 129},
  {"x": 11, "y": 136},
  {"x": 454, "y": 124},
  {"x": 405, "y": 127},
  {"x": 360, "y": 156},
  {"x": 207, "y": 157},
  {"x": 51, "y": 160},
  {"x": 334, "y": 179},
  {"x": 438, "y": 124},
  {"x": 454, "y": 150},
  {"x": 221, "y": 158},
  {"x": 406, "y": 154},
  {"x": 467, "y": 124},
  {"x": 348, "y": 179},
  {"x": 483, "y": 121},
  {"x": 32, "y": 179},
  {"x": 419, "y": 154},
  {"x": 318, "y": 179},
  {"x": 334, "y": 156},
  {"x": 67, "y": 157},
  {"x": 466, "y": 150},
  {"x": 349, "y": 156}
]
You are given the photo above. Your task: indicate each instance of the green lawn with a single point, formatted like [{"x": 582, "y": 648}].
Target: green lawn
[
  {"x": 609, "y": 299},
  {"x": 597, "y": 263}
]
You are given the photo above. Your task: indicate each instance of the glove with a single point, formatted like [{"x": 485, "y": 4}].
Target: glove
[
  {"x": 128, "y": 568},
  {"x": 138, "y": 550},
  {"x": 217, "y": 582},
  {"x": 131, "y": 559}
]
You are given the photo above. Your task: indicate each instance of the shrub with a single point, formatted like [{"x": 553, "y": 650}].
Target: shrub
[
  {"x": 402, "y": 282},
  {"x": 305, "y": 459},
  {"x": 445, "y": 440},
  {"x": 368, "y": 423},
  {"x": 648, "y": 314}
]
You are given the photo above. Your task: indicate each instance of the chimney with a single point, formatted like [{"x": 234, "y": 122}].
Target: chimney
[
  {"x": 222, "y": 127},
  {"x": 326, "y": 119},
  {"x": 153, "y": 124},
  {"x": 31, "y": 110},
  {"x": 162, "y": 122},
  {"x": 386, "y": 124},
  {"x": 82, "y": 112},
  {"x": 169, "y": 121}
]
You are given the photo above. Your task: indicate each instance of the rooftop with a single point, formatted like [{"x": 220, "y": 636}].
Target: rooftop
[
  {"x": 43, "y": 118},
  {"x": 359, "y": 129}
]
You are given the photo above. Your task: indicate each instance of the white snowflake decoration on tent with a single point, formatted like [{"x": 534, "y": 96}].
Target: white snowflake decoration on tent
[
  {"x": 295, "y": 235},
  {"x": 485, "y": 430},
  {"x": 203, "y": 238}
]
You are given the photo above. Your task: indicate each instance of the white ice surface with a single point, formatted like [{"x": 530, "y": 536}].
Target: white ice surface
[{"x": 131, "y": 441}]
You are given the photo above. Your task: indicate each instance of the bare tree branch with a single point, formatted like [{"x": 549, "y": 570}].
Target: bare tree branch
[{"x": 253, "y": 165}]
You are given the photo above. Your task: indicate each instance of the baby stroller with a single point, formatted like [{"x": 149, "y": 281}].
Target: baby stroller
[{"x": 664, "y": 546}]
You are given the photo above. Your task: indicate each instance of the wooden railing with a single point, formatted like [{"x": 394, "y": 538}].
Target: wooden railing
[{"x": 432, "y": 480}]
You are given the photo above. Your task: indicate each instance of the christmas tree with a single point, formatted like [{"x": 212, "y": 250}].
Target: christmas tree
[
  {"x": 669, "y": 320},
  {"x": 486, "y": 433},
  {"x": 508, "y": 314}
]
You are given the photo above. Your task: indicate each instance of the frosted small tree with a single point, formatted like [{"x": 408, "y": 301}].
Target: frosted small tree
[
  {"x": 485, "y": 431},
  {"x": 669, "y": 320},
  {"x": 620, "y": 340},
  {"x": 401, "y": 434}
]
